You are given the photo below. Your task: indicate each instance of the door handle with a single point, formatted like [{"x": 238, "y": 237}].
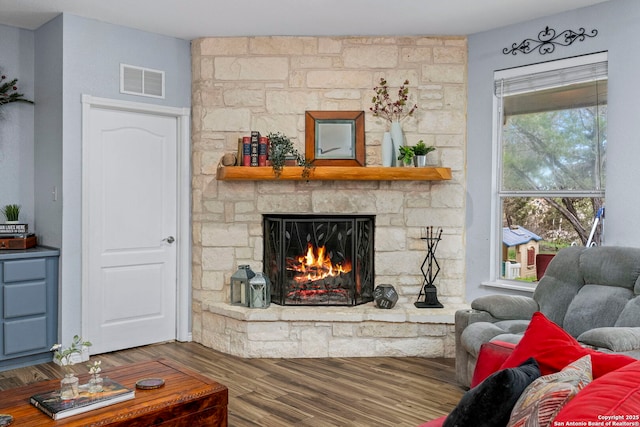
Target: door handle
[{"x": 169, "y": 239}]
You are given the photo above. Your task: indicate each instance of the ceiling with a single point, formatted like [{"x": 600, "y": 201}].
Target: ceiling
[{"x": 190, "y": 19}]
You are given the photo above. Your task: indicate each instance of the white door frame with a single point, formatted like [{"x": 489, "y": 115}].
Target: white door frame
[{"x": 183, "y": 235}]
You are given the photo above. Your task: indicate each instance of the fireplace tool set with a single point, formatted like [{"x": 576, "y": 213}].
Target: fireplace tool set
[{"x": 428, "y": 296}]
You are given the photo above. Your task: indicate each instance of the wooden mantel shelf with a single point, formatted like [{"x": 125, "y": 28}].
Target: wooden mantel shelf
[{"x": 334, "y": 173}]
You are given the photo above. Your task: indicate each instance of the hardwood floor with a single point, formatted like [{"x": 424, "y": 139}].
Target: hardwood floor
[{"x": 358, "y": 392}]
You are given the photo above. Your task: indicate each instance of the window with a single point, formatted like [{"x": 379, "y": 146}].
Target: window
[
  {"x": 550, "y": 157},
  {"x": 531, "y": 257}
]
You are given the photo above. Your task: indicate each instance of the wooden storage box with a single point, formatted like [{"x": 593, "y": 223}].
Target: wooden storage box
[{"x": 18, "y": 242}]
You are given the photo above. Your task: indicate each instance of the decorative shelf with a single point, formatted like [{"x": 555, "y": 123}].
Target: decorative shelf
[{"x": 334, "y": 173}]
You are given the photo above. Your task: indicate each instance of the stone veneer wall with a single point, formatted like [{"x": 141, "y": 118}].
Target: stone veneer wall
[{"x": 266, "y": 84}]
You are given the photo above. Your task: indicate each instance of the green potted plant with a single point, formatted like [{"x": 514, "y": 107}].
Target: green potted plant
[
  {"x": 421, "y": 150},
  {"x": 406, "y": 155},
  {"x": 281, "y": 150},
  {"x": 11, "y": 213}
]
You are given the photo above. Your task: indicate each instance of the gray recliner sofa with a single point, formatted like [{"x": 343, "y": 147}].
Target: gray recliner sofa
[{"x": 592, "y": 293}]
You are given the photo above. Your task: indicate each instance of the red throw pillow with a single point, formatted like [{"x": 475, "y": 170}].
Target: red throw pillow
[
  {"x": 491, "y": 356},
  {"x": 553, "y": 348},
  {"x": 434, "y": 423},
  {"x": 614, "y": 397}
]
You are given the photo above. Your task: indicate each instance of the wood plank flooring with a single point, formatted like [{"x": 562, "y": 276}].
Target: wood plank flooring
[{"x": 353, "y": 392}]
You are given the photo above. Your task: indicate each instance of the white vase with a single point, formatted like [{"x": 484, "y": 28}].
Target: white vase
[
  {"x": 398, "y": 140},
  {"x": 387, "y": 149}
]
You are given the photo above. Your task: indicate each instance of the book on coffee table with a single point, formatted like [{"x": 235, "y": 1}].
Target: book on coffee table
[{"x": 51, "y": 404}]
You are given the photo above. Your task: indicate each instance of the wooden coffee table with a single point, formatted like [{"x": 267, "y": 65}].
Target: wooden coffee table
[{"x": 187, "y": 399}]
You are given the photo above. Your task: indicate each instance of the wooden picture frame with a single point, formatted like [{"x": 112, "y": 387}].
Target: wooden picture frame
[{"x": 335, "y": 138}]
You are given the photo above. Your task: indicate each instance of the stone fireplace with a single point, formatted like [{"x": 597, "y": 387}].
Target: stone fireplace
[
  {"x": 319, "y": 259},
  {"x": 242, "y": 84}
]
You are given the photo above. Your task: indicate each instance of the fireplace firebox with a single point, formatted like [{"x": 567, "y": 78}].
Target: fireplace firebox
[{"x": 319, "y": 259}]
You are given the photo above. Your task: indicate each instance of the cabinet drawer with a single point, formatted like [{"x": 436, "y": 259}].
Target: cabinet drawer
[
  {"x": 25, "y": 335},
  {"x": 25, "y": 269},
  {"x": 25, "y": 299}
]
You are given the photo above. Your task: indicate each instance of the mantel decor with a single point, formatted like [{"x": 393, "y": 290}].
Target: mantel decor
[
  {"x": 394, "y": 112},
  {"x": 547, "y": 41},
  {"x": 334, "y": 138}
]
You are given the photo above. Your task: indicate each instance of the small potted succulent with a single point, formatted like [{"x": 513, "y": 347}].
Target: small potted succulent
[
  {"x": 421, "y": 150},
  {"x": 11, "y": 213}
]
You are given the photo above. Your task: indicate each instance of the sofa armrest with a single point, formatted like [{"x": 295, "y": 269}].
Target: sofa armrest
[
  {"x": 616, "y": 339},
  {"x": 464, "y": 366},
  {"x": 506, "y": 307}
]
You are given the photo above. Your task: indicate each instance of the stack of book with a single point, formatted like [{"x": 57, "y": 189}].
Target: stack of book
[
  {"x": 51, "y": 404},
  {"x": 16, "y": 236},
  {"x": 253, "y": 150}
]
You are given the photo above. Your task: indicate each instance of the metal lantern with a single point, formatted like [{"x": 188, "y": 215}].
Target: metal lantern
[
  {"x": 240, "y": 286},
  {"x": 259, "y": 291},
  {"x": 385, "y": 296}
]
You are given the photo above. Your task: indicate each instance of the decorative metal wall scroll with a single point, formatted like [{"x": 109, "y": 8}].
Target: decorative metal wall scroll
[{"x": 548, "y": 40}]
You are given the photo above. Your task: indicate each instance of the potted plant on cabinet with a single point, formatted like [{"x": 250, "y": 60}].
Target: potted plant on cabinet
[
  {"x": 421, "y": 150},
  {"x": 406, "y": 155},
  {"x": 11, "y": 213}
]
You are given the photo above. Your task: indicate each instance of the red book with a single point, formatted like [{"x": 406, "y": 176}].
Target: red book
[
  {"x": 246, "y": 151},
  {"x": 263, "y": 149}
]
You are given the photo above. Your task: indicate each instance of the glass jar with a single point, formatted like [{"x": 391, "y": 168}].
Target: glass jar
[
  {"x": 95, "y": 383},
  {"x": 69, "y": 387}
]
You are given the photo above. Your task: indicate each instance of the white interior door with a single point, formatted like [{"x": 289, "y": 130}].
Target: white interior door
[{"x": 130, "y": 228}]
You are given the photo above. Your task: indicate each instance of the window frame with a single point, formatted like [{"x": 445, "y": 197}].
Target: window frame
[{"x": 495, "y": 279}]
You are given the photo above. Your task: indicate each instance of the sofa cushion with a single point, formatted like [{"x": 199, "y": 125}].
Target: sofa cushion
[
  {"x": 611, "y": 266},
  {"x": 630, "y": 315},
  {"x": 616, "y": 339},
  {"x": 479, "y": 333},
  {"x": 490, "y": 403},
  {"x": 545, "y": 397},
  {"x": 560, "y": 284},
  {"x": 615, "y": 394},
  {"x": 553, "y": 349},
  {"x": 505, "y": 306},
  {"x": 595, "y": 306}
]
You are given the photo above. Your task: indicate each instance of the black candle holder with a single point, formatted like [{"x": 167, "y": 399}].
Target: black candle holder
[{"x": 428, "y": 290}]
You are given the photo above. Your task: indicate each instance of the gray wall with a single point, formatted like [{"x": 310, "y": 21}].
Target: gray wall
[
  {"x": 617, "y": 23},
  {"x": 16, "y": 123},
  {"x": 76, "y": 56},
  {"x": 48, "y": 133}
]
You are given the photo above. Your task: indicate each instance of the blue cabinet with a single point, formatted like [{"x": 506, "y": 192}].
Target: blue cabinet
[{"x": 28, "y": 306}]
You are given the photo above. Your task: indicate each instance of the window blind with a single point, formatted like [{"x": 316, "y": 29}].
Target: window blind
[{"x": 551, "y": 79}]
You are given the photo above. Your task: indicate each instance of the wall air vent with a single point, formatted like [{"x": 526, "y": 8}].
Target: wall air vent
[{"x": 141, "y": 81}]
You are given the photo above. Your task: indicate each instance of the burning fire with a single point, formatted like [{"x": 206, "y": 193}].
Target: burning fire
[{"x": 316, "y": 265}]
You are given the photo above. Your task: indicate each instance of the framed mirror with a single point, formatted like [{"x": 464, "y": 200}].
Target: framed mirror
[{"x": 335, "y": 138}]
